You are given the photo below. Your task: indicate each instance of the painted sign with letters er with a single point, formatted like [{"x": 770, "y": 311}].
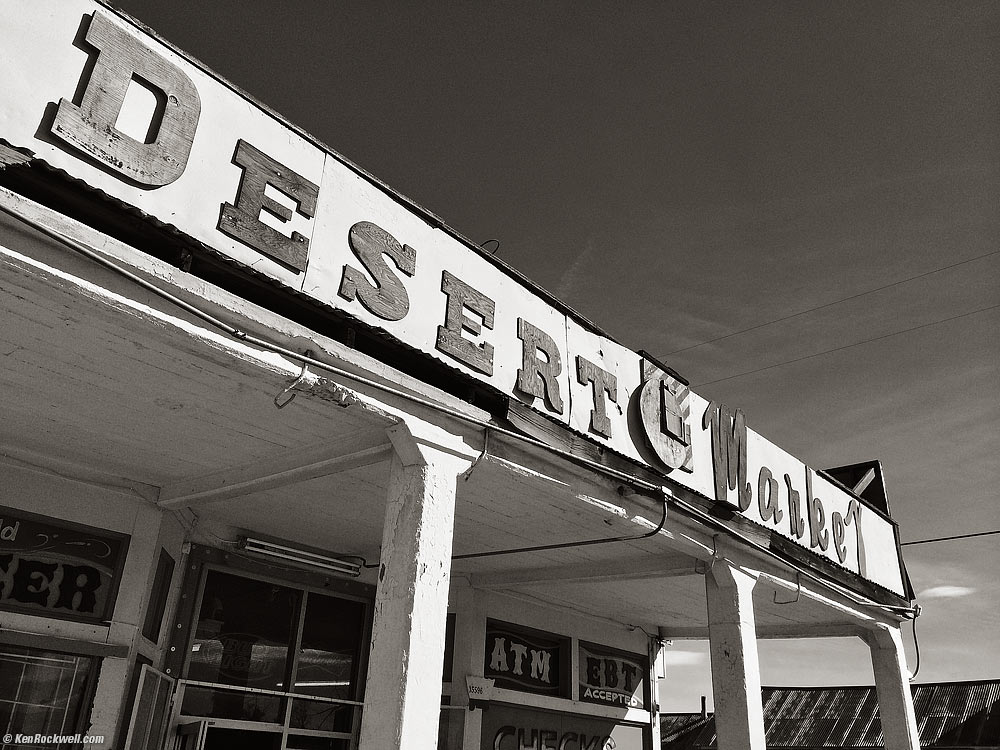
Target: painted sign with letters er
[{"x": 57, "y": 568}]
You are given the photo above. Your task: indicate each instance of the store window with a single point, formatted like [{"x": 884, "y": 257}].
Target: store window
[
  {"x": 43, "y": 692},
  {"x": 266, "y": 653}
]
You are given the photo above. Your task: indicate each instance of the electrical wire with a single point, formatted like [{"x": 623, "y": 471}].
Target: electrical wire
[
  {"x": 847, "y": 346},
  {"x": 916, "y": 647},
  {"x": 830, "y": 304},
  {"x": 595, "y": 466},
  {"x": 950, "y": 538},
  {"x": 564, "y": 545}
]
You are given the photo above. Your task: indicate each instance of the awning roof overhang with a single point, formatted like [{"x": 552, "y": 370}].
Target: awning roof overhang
[{"x": 111, "y": 384}]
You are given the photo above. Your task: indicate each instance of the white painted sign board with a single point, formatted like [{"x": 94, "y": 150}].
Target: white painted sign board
[{"x": 228, "y": 173}]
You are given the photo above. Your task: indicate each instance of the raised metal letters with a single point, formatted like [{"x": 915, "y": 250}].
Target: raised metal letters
[
  {"x": 242, "y": 221},
  {"x": 665, "y": 408},
  {"x": 603, "y": 382},
  {"x": 796, "y": 523},
  {"x": 90, "y": 127},
  {"x": 450, "y": 340},
  {"x": 819, "y": 536},
  {"x": 387, "y": 298},
  {"x": 767, "y": 496},
  {"x": 539, "y": 377},
  {"x": 729, "y": 452}
]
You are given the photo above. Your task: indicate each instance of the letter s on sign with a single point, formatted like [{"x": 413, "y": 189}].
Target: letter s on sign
[
  {"x": 387, "y": 298},
  {"x": 90, "y": 127}
]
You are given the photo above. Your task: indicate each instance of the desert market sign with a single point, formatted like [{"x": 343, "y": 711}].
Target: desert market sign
[{"x": 93, "y": 94}]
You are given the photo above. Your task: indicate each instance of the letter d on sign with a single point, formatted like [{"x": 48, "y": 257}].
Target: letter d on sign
[{"x": 90, "y": 127}]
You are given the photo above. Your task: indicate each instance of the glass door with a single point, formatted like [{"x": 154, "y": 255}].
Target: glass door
[
  {"x": 326, "y": 667},
  {"x": 273, "y": 666}
]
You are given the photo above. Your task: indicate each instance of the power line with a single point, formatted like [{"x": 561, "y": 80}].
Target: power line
[
  {"x": 950, "y": 538},
  {"x": 846, "y": 346},
  {"x": 828, "y": 304}
]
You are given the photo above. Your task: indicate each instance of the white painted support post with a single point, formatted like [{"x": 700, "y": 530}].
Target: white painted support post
[
  {"x": 892, "y": 686},
  {"x": 739, "y": 714},
  {"x": 470, "y": 635},
  {"x": 403, "y": 689},
  {"x": 653, "y": 648}
]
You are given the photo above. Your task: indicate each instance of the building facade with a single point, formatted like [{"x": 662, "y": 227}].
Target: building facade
[{"x": 291, "y": 464}]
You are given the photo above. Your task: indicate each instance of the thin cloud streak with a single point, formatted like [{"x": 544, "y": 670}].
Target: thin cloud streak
[
  {"x": 577, "y": 274},
  {"x": 945, "y": 592},
  {"x": 683, "y": 658}
]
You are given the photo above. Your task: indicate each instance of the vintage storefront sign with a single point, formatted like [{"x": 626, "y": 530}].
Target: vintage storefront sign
[
  {"x": 527, "y": 660},
  {"x": 611, "y": 677},
  {"x": 665, "y": 410},
  {"x": 778, "y": 491},
  {"x": 57, "y": 568},
  {"x": 94, "y": 95},
  {"x": 516, "y": 728}
]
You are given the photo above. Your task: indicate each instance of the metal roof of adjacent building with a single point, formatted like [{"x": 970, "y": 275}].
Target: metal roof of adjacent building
[{"x": 953, "y": 715}]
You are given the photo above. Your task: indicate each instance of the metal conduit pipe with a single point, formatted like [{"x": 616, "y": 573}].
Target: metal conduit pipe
[{"x": 634, "y": 481}]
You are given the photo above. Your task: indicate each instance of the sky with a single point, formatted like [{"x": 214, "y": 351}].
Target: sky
[{"x": 794, "y": 205}]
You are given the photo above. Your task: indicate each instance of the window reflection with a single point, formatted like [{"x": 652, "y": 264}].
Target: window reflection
[
  {"x": 42, "y": 691},
  {"x": 246, "y": 634},
  {"x": 331, "y": 644},
  {"x": 330, "y": 717},
  {"x": 243, "y": 637}
]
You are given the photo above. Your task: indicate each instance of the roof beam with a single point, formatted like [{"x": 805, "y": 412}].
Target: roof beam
[
  {"x": 65, "y": 469},
  {"x": 773, "y": 632},
  {"x": 278, "y": 470},
  {"x": 686, "y": 633},
  {"x": 810, "y": 630},
  {"x": 591, "y": 572}
]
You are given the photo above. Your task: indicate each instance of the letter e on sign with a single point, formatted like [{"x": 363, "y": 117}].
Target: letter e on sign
[
  {"x": 462, "y": 297},
  {"x": 242, "y": 220},
  {"x": 91, "y": 127}
]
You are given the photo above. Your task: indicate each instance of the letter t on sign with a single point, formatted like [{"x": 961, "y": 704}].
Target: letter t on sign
[
  {"x": 603, "y": 382},
  {"x": 242, "y": 221}
]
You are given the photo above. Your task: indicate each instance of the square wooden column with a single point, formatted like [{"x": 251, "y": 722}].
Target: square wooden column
[
  {"x": 403, "y": 688},
  {"x": 892, "y": 686},
  {"x": 739, "y": 713}
]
